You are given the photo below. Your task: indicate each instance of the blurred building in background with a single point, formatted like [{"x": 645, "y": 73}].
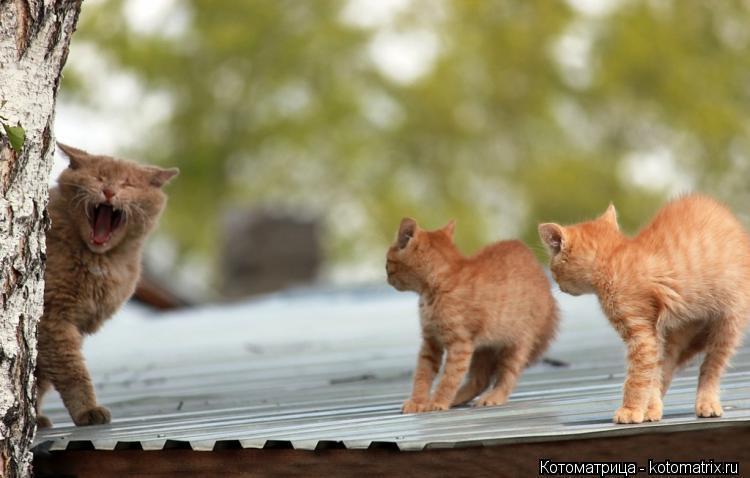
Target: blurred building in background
[
  {"x": 264, "y": 252},
  {"x": 497, "y": 113}
]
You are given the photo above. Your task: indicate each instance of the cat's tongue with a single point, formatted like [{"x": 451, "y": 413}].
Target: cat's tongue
[{"x": 102, "y": 225}]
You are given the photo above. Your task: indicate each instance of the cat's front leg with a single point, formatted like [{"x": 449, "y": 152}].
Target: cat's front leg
[
  {"x": 643, "y": 359},
  {"x": 42, "y": 387},
  {"x": 456, "y": 366},
  {"x": 63, "y": 364},
  {"x": 77, "y": 393},
  {"x": 428, "y": 366}
]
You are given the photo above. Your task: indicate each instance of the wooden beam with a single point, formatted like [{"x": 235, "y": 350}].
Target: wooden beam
[{"x": 719, "y": 444}]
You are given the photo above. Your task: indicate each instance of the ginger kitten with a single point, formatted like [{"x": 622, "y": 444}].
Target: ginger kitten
[
  {"x": 679, "y": 287},
  {"x": 101, "y": 212},
  {"x": 493, "y": 313}
]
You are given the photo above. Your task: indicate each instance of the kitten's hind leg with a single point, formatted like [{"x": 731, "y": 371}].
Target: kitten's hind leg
[
  {"x": 672, "y": 347},
  {"x": 483, "y": 364},
  {"x": 721, "y": 343},
  {"x": 63, "y": 364},
  {"x": 677, "y": 359},
  {"x": 510, "y": 364},
  {"x": 696, "y": 346},
  {"x": 679, "y": 347}
]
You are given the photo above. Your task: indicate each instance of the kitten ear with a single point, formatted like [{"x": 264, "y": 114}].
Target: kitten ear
[
  {"x": 610, "y": 216},
  {"x": 406, "y": 231},
  {"x": 77, "y": 157},
  {"x": 159, "y": 177},
  {"x": 449, "y": 228},
  {"x": 553, "y": 237}
]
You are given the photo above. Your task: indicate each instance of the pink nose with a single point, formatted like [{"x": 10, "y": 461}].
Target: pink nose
[{"x": 108, "y": 193}]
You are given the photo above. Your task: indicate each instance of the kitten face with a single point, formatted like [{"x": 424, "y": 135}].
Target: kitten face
[
  {"x": 573, "y": 250},
  {"x": 415, "y": 254},
  {"x": 112, "y": 200}
]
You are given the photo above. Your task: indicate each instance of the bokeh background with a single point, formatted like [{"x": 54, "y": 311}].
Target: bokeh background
[{"x": 305, "y": 130}]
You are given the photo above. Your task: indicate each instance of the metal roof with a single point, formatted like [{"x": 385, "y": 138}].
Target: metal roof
[{"x": 347, "y": 393}]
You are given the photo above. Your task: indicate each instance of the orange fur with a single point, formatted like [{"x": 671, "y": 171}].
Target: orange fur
[
  {"x": 680, "y": 287},
  {"x": 493, "y": 313}
]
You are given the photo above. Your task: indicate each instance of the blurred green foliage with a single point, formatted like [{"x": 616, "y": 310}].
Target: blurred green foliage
[{"x": 532, "y": 110}]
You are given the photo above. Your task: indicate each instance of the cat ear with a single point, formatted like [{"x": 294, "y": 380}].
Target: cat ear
[
  {"x": 553, "y": 237},
  {"x": 406, "y": 231},
  {"x": 449, "y": 228},
  {"x": 77, "y": 157},
  {"x": 159, "y": 177},
  {"x": 610, "y": 216}
]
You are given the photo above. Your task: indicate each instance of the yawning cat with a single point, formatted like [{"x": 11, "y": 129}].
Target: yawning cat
[
  {"x": 493, "y": 313},
  {"x": 101, "y": 213},
  {"x": 679, "y": 287}
]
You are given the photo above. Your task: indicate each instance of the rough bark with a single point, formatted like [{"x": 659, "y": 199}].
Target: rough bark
[{"x": 34, "y": 38}]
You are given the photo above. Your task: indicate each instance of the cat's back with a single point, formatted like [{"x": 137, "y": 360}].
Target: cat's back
[
  {"x": 511, "y": 258},
  {"x": 697, "y": 247},
  {"x": 695, "y": 224},
  {"x": 514, "y": 295},
  {"x": 507, "y": 270},
  {"x": 689, "y": 209}
]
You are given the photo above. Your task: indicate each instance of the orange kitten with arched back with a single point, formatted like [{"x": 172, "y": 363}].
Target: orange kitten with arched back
[
  {"x": 492, "y": 312},
  {"x": 679, "y": 287}
]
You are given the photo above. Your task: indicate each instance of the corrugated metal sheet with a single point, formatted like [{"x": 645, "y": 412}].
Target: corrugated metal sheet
[{"x": 350, "y": 395}]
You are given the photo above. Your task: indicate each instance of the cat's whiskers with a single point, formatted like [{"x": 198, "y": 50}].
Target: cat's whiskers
[
  {"x": 81, "y": 199},
  {"x": 79, "y": 187},
  {"x": 136, "y": 211},
  {"x": 68, "y": 183},
  {"x": 131, "y": 210}
]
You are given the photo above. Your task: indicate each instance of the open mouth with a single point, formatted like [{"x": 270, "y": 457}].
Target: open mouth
[{"x": 104, "y": 220}]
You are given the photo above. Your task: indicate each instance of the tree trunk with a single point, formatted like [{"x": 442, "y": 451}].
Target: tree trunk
[{"x": 34, "y": 38}]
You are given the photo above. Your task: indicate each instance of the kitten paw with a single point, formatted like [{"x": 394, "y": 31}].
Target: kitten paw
[
  {"x": 708, "y": 408},
  {"x": 434, "y": 406},
  {"x": 94, "y": 416},
  {"x": 43, "y": 422},
  {"x": 489, "y": 401},
  {"x": 628, "y": 415},
  {"x": 412, "y": 406},
  {"x": 654, "y": 412}
]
